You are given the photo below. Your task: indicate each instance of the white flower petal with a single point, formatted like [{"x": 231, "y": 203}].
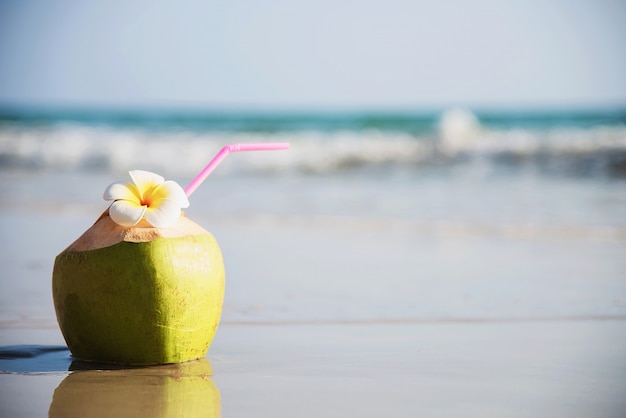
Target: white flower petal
[
  {"x": 120, "y": 190},
  {"x": 126, "y": 213},
  {"x": 175, "y": 193},
  {"x": 145, "y": 180},
  {"x": 166, "y": 214}
]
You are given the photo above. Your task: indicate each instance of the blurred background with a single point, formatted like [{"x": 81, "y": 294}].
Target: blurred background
[{"x": 453, "y": 159}]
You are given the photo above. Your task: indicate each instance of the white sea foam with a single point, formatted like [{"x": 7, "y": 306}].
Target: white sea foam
[
  {"x": 181, "y": 152},
  {"x": 458, "y": 130}
]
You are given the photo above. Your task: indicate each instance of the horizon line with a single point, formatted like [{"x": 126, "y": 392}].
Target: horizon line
[{"x": 45, "y": 106}]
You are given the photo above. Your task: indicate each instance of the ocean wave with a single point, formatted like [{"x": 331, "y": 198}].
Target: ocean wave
[{"x": 461, "y": 140}]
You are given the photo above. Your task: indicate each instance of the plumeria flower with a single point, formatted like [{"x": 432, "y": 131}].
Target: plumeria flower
[{"x": 149, "y": 196}]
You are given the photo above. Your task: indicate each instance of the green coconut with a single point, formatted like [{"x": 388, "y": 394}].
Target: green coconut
[{"x": 139, "y": 295}]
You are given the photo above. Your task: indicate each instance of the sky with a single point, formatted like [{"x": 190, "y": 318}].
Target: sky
[{"x": 313, "y": 54}]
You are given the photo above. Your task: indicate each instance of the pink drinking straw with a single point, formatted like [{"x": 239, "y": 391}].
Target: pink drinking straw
[{"x": 267, "y": 146}]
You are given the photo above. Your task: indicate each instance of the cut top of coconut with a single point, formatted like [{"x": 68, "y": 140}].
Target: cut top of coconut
[{"x": 105, "y": 232}]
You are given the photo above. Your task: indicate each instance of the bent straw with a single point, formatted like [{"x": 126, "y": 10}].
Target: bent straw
[{"x": 266, "y": 146}]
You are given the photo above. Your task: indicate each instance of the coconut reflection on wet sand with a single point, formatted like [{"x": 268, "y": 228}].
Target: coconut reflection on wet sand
[
  {"x": 103, "y": 390},
  {"x": 184, "y": 390}
]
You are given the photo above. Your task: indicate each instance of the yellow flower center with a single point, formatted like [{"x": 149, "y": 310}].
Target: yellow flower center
[
  {"x": 152, "y": 195},
  {"x": 147, "y": 199}
]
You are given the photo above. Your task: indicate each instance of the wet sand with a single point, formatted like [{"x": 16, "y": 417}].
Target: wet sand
[
  {"x": 474, "y": 369},
  {"x": 331, "y": 318}
]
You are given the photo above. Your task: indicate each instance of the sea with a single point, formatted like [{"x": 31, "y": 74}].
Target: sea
[
  {"x": 425, "y": 215},
  {"x": 505, "y": 169}
]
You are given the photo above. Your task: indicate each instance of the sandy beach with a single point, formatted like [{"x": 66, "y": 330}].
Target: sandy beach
[
  {"x": 320, "y": 321},
  {"x": 572, "y": 368}
]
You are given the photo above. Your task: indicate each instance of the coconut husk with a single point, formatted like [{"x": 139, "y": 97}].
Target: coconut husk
[{"x": 105, "y": 232}]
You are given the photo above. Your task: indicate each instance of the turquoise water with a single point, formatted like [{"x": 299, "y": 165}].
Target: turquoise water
[
  {"x": 273, "y": 121},
  {"x": 561, "y": 143},
  {"x": 515, "y": 169}
]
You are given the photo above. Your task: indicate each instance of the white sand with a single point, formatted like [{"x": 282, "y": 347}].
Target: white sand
[{"x": 327, "y": 317}]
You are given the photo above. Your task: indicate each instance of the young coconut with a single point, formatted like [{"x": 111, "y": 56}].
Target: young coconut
[{"x": 144, "y": 285}]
